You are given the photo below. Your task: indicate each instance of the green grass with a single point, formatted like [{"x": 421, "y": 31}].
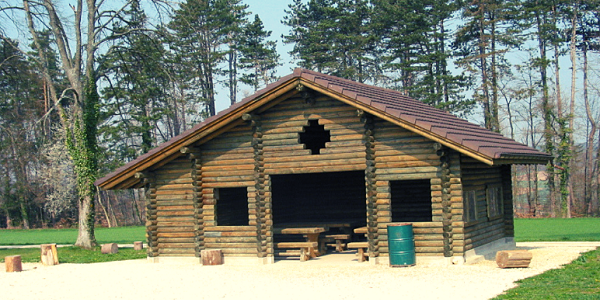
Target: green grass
[
  {"x": 578, "y": 280},
  {"x": 121, "y": 235},
  {"x": 576, "y": 229},
  {"x": 74, "y": 255}
]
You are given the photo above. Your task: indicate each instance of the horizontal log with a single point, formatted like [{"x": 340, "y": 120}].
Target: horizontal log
[
  {"x": 176, "y": 240},
  {"x": 219, "y": 173},
  {"x": 319, "y": 163},
  {"x": 301, "y": 170},
  {"x": 228, "y": 184},
  {"x": 175, "y": 234},
  {"x": 162, "y": 229},
  {"x": 229, "y": 228},
  {"x": 184, "y": 191},
  {"x": 176, "y": 224},
  {"x": 230, "y": 245},
  {"x": 226, "y": 177},
  {"x": 230, "y": 239},
  {"x": 174, "y": 251},
  {"x": 165, "y": 245}
]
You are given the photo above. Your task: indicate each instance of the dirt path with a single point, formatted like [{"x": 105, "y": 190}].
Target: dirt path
[{"x": 343, "y": 278}]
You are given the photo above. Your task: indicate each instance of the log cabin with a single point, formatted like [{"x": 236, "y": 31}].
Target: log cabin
[{"x": 318, "y": 148}]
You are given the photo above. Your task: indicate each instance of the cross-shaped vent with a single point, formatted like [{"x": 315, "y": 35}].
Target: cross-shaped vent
[{"x": 314, "y": 136}]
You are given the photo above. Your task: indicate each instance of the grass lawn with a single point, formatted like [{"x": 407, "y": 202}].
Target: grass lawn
[
  {"x": 74, "y": 255},
  {"x": 121, "y": 235},
  {"x": 578, "y": 280},
  {"x": 576, "y": 229}
]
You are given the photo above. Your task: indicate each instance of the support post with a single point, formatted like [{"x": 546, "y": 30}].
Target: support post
[{"x": 371, "y": 184}]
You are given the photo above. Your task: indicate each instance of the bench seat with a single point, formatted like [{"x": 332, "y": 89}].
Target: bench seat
[
  {"x": 363, "y": 247},
  {"x": 305, "y": 248}
]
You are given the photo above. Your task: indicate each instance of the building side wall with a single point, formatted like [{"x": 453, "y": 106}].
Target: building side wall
[{"x": 478, "y": 177}]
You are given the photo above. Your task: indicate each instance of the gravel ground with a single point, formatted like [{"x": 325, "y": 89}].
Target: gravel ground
[{"x": 330, "y": 277}]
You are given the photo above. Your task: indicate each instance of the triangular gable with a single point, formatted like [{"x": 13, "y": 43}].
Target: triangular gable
[{"x": 455, "y": 133}]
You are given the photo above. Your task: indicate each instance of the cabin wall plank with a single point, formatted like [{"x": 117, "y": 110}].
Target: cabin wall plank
[{"x": 478, "y": 176}]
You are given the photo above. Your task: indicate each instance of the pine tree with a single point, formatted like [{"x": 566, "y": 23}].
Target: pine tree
[
  {"x": 416, "y": 53},
  {"x": 136, "y": 99},
  {"x": 258, "y": 55},
  {"x": 333, "y": 37},
  {"x": 201, "y": 31}
]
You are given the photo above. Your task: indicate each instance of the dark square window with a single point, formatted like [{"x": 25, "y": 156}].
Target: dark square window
[
  {"x": 232, "y": 206},
  {"x": 411, "y": 200}
]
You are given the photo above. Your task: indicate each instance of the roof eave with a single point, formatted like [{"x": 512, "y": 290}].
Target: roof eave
[
  {"x": 113, "y": 181},
  {"x": 512, "y": 159},
  {"x": 402, "y": 123}
]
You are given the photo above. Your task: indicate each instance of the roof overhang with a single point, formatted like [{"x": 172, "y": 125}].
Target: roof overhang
[{"x": 125, "y": 177}]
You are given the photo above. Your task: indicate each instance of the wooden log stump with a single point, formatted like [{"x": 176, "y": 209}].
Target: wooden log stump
[
  {"x": 138, "y": 245},
  {"x": 513, "y": 258},
  {"x": 211, "y": 257},
  {"x": 49, "y": 255},
  {"x": 110, "y": 248},
  {"x": 13, "y": 263}
]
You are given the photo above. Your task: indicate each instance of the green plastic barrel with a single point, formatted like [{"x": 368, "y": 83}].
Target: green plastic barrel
[{"x": 401, "y": 244}]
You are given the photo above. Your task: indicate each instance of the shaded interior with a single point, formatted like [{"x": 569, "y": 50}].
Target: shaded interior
[{"x": 319, "y": 197}]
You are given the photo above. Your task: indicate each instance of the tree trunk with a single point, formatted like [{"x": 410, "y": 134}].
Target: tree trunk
[
  {"x": 103, "y": 207},
  {"x": 86, "y": 238}
]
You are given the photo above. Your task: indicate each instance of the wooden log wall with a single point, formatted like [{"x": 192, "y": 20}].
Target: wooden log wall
[
  {"x": 429, "y": 239},
  {"x": 402, "y": 155},
  {"x": 173, "y": 222},
  {"x": 478, "y": 176},
  {"x": 228, "y": 161},
  {"x": 283, "y": 152},
  {"x": 232, "y": 240}
]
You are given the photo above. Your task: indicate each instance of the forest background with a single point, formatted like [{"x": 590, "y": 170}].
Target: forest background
[{"x": 86, "y": 86}]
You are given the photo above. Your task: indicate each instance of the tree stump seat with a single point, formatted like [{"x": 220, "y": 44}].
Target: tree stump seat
[
  {"x": 110, "y": 248},
  {"x": 13, "y": 263},
  {"x": 211, "y": 257}
]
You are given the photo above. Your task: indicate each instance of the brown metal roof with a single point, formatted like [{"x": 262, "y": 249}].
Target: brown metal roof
[{"x": 449, "y": 130}]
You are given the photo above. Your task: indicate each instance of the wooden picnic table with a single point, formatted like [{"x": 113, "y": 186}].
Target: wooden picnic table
[
  {"x": 360, "y": 230},
  {"x": 310, "y": 233},
  {"x": 342, "y": 224}
]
